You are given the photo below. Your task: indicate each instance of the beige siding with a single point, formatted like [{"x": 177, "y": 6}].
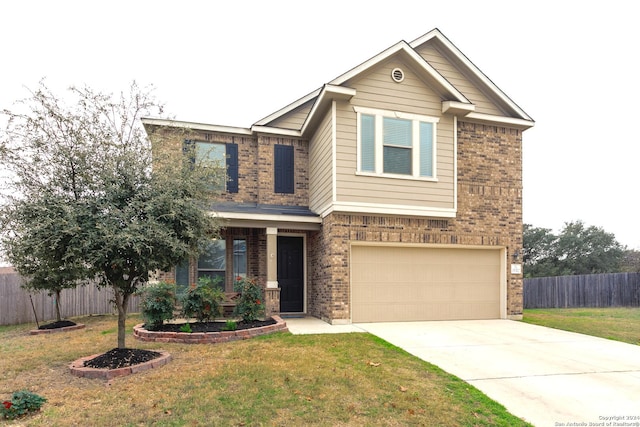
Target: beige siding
[
  {"x": 294, "y": 119},
  {"x": 320, "y": 165},
  {"x": 377, "y": 90},
  {"x": 414, "y": 283},
  {"x": 458, "y": 80}
]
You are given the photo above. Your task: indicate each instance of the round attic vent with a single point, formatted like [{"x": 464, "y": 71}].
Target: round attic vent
[{"x": 397, "y": 75}]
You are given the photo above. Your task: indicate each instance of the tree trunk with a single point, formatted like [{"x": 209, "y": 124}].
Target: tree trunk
[
  {"x": 122, "y": 300},
  {"x": 58, "y": 317}
]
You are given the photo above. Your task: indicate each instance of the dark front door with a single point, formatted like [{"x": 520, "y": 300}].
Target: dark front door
[{"x": 291, "y": 273}]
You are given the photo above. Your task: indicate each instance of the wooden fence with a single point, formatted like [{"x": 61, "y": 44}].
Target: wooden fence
[
  {"x": 593, "y": 290},
  {"x": 16, "y": 308}
]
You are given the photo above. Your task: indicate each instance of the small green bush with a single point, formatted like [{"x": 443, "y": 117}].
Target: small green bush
[
  {"x": 186, "y": 328},
  {"x": 250, "y": 303},
  {"x": 204, "y": 301},
  {"x": 21, "y": 403},
  {"x": 157, "y": 304},
  {"x": 230, "y": 325}
]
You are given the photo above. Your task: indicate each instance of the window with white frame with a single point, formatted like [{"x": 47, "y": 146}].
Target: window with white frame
[{"x": 396, "y": 144}]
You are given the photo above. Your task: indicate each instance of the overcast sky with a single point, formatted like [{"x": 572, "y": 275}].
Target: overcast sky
[{"x": 572, "y": 66}]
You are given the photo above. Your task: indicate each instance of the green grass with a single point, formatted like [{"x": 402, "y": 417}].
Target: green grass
[
  {"x": 280, "y": 379},
  {"x": 616, "y": 323}
]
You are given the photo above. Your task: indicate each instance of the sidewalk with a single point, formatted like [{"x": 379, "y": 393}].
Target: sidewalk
[{"x": 312, "y": 325}]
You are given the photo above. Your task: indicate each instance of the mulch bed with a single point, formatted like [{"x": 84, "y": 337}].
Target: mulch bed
[
  {"x": 56, "y": 325},
  {"x": 121, "y": 357},
  {"x": 212, "y": 326}
]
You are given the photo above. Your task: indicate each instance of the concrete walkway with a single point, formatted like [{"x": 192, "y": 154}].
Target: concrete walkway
[{"x": 546, "y": 376}]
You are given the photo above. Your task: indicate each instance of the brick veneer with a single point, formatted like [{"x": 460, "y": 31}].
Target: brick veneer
[{"x": 489, "y": 214}]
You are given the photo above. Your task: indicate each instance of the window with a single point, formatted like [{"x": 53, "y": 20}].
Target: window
[
  {"x": 224, "y": 156},
  {"x": 283, "y": 169},
  {"x": 239, "y": 258},
  {"x": 396, "y": 144},
  {"x": 213, "y": 262}
]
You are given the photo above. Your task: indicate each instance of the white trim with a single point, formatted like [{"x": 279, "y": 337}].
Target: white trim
[
  {"x": 455, "y": 107},
  {"x": 402, "y": 46},
  {"x": 328, "y": 94},
  {"x": 272, "y": 284},
  {"x": 507, "y": 121},
  {"x": 334, "y": 152},
  {"x": 268, "y": 217},
  {"x": 435, "y": 33},
  {"x": 389, "y": 209},
  {"x": 195, "y": 126},
  {"x": 288, "y": 108},
  {"x": 276, "y": 131},
  {"x": 455, "y": 163},
  {"x": 271, "y": 231},
  {"x": 416, "y": 119}
]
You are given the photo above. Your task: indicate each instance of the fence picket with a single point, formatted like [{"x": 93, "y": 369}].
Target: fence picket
[
  {"x": 592, "y": 290},
  {"x": 15, "y": 305}
]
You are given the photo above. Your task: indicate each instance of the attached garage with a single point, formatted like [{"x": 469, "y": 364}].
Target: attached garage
[{"x": 409, "y": 283}]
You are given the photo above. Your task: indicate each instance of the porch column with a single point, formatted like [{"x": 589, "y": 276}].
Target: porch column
[
  {"x": 272, "y": 257},
  {"x": 272, "y": 292}
]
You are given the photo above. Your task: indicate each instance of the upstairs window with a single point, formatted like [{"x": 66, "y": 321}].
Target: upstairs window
[
  {"x": 396, "y": 144},
  {"x": 284, "y": 179},
  {"x": 223, "y": 156}
]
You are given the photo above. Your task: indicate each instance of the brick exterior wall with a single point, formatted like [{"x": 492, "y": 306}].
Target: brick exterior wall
[{"x": 489, "y": 214}]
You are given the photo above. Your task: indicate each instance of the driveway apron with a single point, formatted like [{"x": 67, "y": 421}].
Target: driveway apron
[{"x": 546, "y": 376}]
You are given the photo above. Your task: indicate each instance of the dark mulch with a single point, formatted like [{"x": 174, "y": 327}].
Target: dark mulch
[
  {"x": 56, "y": 325},
  {"x": 120, "y": 358},
  {"x": 213, "y": 326}
]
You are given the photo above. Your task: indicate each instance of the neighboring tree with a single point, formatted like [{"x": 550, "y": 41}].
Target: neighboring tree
[
  {"x": 588, "y": 250},
  {"x": 45, "y": 249},
  {"x": 126, "y": 214},
  {"x": 578, "y": 249},
  {"x": 539, "y": 252}
]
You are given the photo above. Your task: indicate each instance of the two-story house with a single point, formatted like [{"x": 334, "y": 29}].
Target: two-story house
[{"x": 391, "y": 193}]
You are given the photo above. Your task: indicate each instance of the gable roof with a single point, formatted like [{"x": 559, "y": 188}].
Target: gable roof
[{"x": 454, "y": 101}]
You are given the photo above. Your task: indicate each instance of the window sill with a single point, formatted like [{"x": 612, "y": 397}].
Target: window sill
[{"x": 393, "y": 176}]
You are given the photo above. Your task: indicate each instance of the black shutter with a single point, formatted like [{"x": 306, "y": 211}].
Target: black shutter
[
  {"x": 232, "y": 168},
  {"x": 188, "y": 149},
  {"x": 283, "y": 169}
]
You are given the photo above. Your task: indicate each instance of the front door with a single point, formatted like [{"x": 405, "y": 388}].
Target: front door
[{"x": 291, "y": 274}]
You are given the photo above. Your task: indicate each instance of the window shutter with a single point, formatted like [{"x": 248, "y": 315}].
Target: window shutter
[
  {"x": 367, "y": 143},
  {"x": 232, "y": 168},
  {"x": 188, "y": 149},
  {"x": 426, "y": 149},
  {"x": 283, "y": 169}
]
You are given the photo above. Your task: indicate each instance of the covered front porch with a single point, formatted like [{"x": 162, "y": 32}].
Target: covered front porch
[{"x": 264, "y": 242}]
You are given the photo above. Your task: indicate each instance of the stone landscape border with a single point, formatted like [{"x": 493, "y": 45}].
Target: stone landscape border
[
  {"x": 79, "y": 370},
  {"x": 54, "y": 330},
  {"x": 208, "y": 337}
]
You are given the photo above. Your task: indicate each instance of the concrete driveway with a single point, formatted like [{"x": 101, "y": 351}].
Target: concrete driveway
[{"x": 545, "y": 376}]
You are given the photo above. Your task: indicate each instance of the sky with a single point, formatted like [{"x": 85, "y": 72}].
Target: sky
[{"x": 572, "y": 66}]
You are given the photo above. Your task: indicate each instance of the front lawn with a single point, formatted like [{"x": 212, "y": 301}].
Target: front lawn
[
  {"x": 281, "y": 379},
  {"x": 616, "y": 323}
]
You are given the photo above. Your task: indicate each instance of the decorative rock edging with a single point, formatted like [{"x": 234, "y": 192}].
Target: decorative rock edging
[
  {"x": 54, "y": 330},
  {"x": 208, "y": 337},
  {"x": 79, "y": 370}
]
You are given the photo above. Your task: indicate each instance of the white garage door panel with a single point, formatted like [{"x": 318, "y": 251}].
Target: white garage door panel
[{"x": 411, "y": 284}]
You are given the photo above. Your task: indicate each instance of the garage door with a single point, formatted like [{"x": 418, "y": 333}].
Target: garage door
[{"x": 410, "y": 284}]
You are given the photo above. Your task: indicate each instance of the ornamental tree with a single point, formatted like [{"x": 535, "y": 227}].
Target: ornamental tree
[{"x": 115, "y": 205}]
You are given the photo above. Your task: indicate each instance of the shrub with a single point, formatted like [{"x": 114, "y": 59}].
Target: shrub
[
  {"x": 203, "y": 301},
  {"x": 21, "y": 403},
  {"x": 250, "y": 303},
  {"x": 230, "y": 325},
  {"x": 157, "y": 304}
]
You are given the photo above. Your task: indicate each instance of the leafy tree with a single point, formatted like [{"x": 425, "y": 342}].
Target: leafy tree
[
  {"x": 118, "y": 212},
  {"x": 588, "y": 250},
  {"x": 578, "y": 249}
]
